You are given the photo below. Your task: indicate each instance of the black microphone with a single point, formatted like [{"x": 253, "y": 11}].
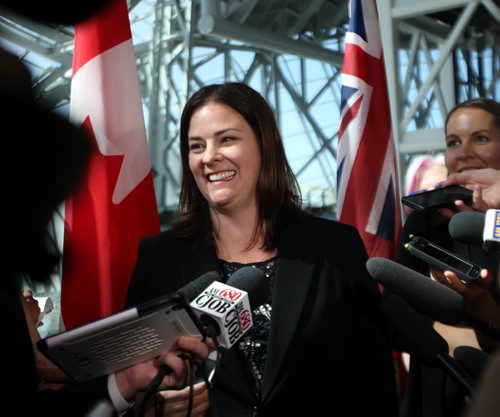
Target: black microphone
[
  {"x": 56, "y": 12},
  {"x": 467, "y": 227},
  {"x": 193, "y": 288},
  {"x": 254, "y": 282},
  {"x": 424, "y": 294},
  {"x": 417, "y": 337},
  {"x": 473, "y": 360},
  {"x": 226, "y": 309},
  {"x": 475, "y": 228}
]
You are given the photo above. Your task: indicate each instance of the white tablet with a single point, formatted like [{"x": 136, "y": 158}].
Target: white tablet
[{"x": 122, "y": 339}]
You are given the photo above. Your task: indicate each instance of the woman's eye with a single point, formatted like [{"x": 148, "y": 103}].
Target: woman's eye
[
  {"x": 194, "y": 146},
  {"x": 482, "y": 138},
  {"x": 452, "y": 143}
]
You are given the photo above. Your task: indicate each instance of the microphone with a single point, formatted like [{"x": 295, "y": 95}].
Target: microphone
[
  {"x": 192, "y": 289},
  {"x": 424, "y": 294},
  {"x": 55, "y": 12},
  {"x": 475, "y": 228},
  {"x": 226, "y": 309},
  {"x": 419, "y": 339},
  {"x": 473, "y": 360}
]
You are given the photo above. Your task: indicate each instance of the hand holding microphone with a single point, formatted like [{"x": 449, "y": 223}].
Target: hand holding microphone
[
  {"x": 427, "y": 296},
  {"x": 417, "y": 337},
  {"x": 225, "y": 310},
  {"x": 474, "y": 228}
]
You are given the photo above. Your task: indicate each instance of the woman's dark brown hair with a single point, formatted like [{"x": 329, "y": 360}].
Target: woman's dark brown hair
[{"x": 277, "y": 188}]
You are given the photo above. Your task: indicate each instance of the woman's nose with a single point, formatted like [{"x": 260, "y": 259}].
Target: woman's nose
[
  {"x": 466, "y": 151},
  {"x": 211, "y": 154}
]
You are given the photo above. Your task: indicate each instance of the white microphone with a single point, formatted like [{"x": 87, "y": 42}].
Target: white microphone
[{"x": 225, "y": 310}]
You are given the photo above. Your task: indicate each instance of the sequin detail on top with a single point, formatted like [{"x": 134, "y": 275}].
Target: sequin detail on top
[{"x": 253, "y": 344}]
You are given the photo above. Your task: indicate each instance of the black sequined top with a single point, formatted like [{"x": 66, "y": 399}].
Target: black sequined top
[{"x": 253, "y": 344}]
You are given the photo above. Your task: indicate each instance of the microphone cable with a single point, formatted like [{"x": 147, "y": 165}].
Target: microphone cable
[
  {"x": 165, "y": 370},
  {"x": 155, "y": 382},
  {"x": 210, "y": 383}
]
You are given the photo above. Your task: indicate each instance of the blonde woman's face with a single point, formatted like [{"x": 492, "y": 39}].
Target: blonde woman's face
[{"x": 472, "y": 141}]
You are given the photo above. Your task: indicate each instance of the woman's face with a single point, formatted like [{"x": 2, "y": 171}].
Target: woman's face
[
  {"x": 472, "y": 141},
  {"x": 224, "y": 157}
]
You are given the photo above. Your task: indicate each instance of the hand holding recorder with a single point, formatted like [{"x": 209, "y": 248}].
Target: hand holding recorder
[
  {"x": 443, "y": 259},
  {"x": 138, "y": 377}
]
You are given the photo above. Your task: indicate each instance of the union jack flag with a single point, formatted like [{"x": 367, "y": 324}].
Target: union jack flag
[{"x": 366, "y": 173}]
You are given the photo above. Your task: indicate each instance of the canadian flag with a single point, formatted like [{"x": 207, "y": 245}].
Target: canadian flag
[{"x": 115, "y": 205}]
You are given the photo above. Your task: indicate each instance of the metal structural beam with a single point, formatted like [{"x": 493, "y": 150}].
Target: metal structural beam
[{"x": 437, "y": 53}]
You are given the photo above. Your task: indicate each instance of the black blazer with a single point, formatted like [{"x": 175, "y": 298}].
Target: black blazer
[{"x": 327, "y": 354}]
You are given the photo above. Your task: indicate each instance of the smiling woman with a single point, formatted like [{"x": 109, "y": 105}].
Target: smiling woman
[
  {"x": 318, "y": 340},
  {"x": 472, "y": 141},
  {"x": 473, "y": 135}
]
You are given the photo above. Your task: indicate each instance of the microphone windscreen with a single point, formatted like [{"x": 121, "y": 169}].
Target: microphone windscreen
[
  {"x": 472, "y": 360},
  {"x": 424, "y": 294},
  {"x": 194, "y": 288},
  {"x": 414, "y": 332},
  {"x": 467, "y": 227},
  {"x": 254, "y": 282},
  {"x": 56, "y": 11}
]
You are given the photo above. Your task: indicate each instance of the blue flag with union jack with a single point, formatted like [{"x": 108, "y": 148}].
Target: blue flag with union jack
[{"x": 367, "y": 192}]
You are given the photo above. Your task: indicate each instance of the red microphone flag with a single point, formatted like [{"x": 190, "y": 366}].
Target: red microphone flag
[{"x": 115, "y": 205}]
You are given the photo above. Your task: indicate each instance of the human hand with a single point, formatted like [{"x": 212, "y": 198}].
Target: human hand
[
  {"x": 459, "y": 207},
  {"x": 138, "y": 377},
  {"x": 174, "y": 403},
  {"x": 485, "y": 184},
  {"x": 32, "y": 306},
  {"x": 478, "y": 300}
]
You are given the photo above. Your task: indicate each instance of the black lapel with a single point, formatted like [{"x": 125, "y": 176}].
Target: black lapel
[
  {"x": 293, "y": 276},
  {"x": 198, "y": 260}
]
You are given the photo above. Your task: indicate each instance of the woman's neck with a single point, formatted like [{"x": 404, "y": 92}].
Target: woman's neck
[{"x": 236, "y": 239}]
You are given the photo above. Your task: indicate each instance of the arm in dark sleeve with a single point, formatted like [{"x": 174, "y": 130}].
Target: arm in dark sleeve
[
  {"x": 73, "y": 399},
  {"x": 372, "y": 346}
]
